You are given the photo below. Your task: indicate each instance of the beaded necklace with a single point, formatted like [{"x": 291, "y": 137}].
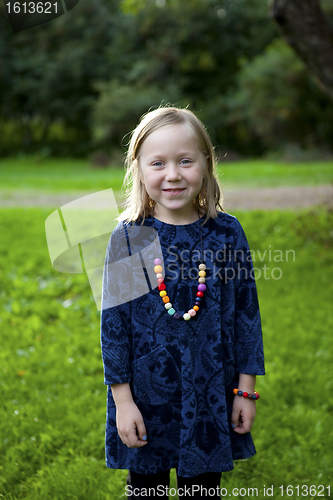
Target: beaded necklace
[{"x": 162, "y": 288}]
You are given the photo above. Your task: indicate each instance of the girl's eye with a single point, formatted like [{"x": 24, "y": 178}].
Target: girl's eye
[
  {"x": 185, "y": 162},
  {"x": 157, "y": 164}
]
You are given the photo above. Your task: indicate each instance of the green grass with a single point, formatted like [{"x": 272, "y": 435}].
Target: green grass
[
  {"x": 56, "y": 175},
  {"x": 53, "y": 401},
  {"x": 263, "y": 173}
]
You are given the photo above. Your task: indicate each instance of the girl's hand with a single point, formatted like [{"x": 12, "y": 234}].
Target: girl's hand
[
  {"x": 130, "y": 425},
  {"x": 243, "y": 414}
]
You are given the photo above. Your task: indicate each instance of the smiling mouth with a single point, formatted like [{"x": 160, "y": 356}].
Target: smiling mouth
[{"x": 174, "y": 190}]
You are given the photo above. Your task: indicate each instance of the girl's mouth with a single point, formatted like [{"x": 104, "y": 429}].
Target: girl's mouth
[{"x": 174, "y": 191}]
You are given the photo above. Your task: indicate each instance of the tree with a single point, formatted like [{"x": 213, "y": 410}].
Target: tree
[
  {"x": 278, "y": 103},
  {"x": 47, "y": 76},
  {"x": 310, "y": 33},
  {"x": 185, "y": 53}
]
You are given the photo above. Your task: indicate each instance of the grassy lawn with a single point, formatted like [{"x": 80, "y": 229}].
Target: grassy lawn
[
  {"x": 52, "y": 412},
  {"x": 57, "y": 175}
]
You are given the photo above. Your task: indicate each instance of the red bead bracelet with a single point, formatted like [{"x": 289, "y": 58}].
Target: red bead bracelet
[{"x": 254, "y": 396}]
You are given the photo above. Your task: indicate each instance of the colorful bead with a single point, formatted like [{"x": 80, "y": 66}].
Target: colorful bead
[
  {"x": 166, "y": 300},
  {"x": 245, "y": 394}
]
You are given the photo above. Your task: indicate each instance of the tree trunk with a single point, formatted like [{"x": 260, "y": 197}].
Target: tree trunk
[{"x": 309, "y": 32}]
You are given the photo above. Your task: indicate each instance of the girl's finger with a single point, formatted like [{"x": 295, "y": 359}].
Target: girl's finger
[
  {"x": 141, "y": 429},
  {"x": 136, "y": 442},
  {"x": 126, "y": 441},
  {"x": 235, "y": 419}
]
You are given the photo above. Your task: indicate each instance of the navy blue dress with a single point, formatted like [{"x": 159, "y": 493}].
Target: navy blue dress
[{"x": 182, "y": 373}]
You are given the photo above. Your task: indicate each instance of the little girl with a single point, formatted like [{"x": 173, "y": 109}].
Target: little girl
[{"x": 180, "y": 325}]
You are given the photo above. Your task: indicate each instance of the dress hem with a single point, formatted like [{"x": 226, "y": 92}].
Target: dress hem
[{"x": 224, "y": 468}]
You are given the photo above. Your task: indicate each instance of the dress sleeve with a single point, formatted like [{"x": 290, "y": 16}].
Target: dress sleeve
[
  {"x": 248, "y": 332},
  {"x": 116, "y": 311}
]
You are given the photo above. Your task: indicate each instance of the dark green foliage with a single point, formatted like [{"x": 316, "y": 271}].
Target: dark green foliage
[
  {"x": 47, "y": 76},
  {"x": 181, "y": 53},
  {"x": 278, "y": 102},
  {"x": 80, "y": 83}
]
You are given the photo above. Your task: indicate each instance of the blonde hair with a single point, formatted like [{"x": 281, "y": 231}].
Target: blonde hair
[{"x": 138, "y": 203}]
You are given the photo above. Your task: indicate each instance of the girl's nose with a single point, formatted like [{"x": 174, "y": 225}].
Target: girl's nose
[{"x": 172, "y": 172}]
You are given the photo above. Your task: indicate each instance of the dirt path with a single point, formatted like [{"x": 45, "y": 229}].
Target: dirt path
[
  {"x": 279, "y": 197},
  {"x": 234, "y": 199}
]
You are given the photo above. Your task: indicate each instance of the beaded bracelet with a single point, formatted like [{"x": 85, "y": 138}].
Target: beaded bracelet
[{"x": 255, "y": 395}]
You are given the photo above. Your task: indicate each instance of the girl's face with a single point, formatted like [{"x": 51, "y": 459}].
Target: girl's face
[{"x": 172, "y": 169}]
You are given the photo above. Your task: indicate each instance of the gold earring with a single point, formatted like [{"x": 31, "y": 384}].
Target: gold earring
[{"x": 151, "y": 202}]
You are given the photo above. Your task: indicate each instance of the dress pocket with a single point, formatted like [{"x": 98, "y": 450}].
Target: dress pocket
[{"x": 156, "y": 377}]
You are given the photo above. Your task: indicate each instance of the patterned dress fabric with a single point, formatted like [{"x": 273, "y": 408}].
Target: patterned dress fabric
[{"x": 182, "y": 373}]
